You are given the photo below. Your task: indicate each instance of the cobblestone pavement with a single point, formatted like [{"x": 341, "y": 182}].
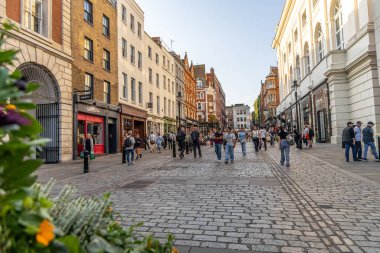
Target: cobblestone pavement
[{"x": 253, "y": 205}]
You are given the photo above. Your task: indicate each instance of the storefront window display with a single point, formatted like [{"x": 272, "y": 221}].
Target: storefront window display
[{"x": 93, "y": 125}]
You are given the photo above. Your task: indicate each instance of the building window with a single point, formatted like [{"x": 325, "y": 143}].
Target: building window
[
  {"x": 151, "y": 100},
  {"x": 338, "y": 25},
  {"x": 199, "y": 84},
  {"x": 132, "y": 23},
  {"x": 295, "y": 35},
  {"x": 139, "y": 63},
  {"x": 133, "y": 55},
  {"x": 150, "y": 75},
  {"x": 169, "y": 108},
  {"x": 35, "y": 16},
  {"x": 164, "y": 81},
  {"x": 106, "y": 26},
  {"x": 169, "y": 85},
  {"x": 88, "y": 11},
  {"x": 106, "y": 92},
  {"x": 124, "y": 14},
  {"x": 150, "y": 52},
  {"x": 133, "y": 90},
  {"x": 164, "y": 106},
  {"x": 140, "y": 93},
  {"x": 298, "y": 69},
  {"x": 306, "y": 59},
  {"x": 124, "y": 48},
  {"x": 164, "y": 61},
  {"x": 157, "y": 59},
  {"x": 106, "y": 60},
  {"x": 125, "y": 86},
  {"x": 319, "y": 43},
  {"x": 158, "y": 80},
  {"x": 139, "y": 30},
  {"x": 89, "y": 83},
  {"x": 158, "y": 105},
  {"x": 88, "y": 49}
]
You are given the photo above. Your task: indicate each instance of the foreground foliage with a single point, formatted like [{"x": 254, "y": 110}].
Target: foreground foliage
[{"x": 31, "y": 220}]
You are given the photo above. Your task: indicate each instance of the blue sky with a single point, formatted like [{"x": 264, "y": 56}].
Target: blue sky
[{"x": 233, "y": 36}]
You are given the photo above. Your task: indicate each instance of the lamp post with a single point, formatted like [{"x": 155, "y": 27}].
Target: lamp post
[
  {"x": 295, "y": 86},
  {"x": 179, "y": 96}
]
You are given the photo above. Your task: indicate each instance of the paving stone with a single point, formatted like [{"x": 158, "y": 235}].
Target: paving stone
[
  {"x": 238, "y": 247},
  {"x": 292, "y": 249}
]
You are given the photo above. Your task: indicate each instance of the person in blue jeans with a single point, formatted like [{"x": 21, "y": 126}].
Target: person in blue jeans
[
  {"x": 241, "y": 136},
  {"x": 218, "y": 141},
  {"x": 230, "y": 145},
  {"x": 348, "y": 138},
  {"x": 159, "y": 141},
  {"x": 284, "y": 147},
  {"x": 369, "y": 141},
  {"x": 129, "y": 144}
]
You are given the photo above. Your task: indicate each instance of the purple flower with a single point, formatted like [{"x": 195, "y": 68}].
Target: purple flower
[{"x": 12, "y": 117}]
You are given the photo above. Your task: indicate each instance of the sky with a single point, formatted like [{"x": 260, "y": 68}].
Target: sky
[{"x": 233, "y": 36}]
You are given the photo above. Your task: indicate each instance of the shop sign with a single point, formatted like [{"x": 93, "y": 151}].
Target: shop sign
[
  {"x": 93, "y": 109},
  {"x": 85, "y": 97}
]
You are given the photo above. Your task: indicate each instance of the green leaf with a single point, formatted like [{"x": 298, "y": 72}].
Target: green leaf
[
  {"x": 98, "y": 244},
  {"x": 39, "y": 141},
  {"x": 30, "y": 220},
  {"x": 25, "y": 105},
  {"x": 8, "y": 56},
  {"x": 32, "y": 87},
  {"x": 72, "y": 243}
]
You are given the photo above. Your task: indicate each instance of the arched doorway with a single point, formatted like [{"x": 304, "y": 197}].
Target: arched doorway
[{"x": 47, "y": 111}]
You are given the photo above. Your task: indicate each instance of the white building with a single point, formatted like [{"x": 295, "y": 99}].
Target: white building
[
  {"x": 332, "y": 49},
  {"x": 131, "y": 66},
  {"x": 241, "y": 116}
]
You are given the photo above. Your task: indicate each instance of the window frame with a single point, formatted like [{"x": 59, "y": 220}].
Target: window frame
[
  {"x": 124, "y": 48},
  {"x": 106, "y": 92},
  {"x": 106, "y": 62},
  {"x": 123, "y": 13},
  {"x": 133, "y": 61},
  {"x": 88, "y": 51},
  {"x": 132, "y": 23},
  {"x": 106, "y": 26},
  {"x": 338, "y": 17},
  {"x": 139, "y": 60},
  {"x": 133, "y": 89},
  {"x": 91, "y": 85},
  {"x": 90, "y": 14},
  {"x": 125, "y": 86},
  {"x": 141, "y": 93}
]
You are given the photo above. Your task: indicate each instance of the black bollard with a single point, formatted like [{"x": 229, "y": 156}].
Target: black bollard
[
  {"x": 123, "y": 156},
  {"x": 85, "y": 162},
  {"x": 174, "y": 151}
]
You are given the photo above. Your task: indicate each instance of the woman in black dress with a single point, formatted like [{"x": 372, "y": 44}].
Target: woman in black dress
[{"x": 138, "y": 146}]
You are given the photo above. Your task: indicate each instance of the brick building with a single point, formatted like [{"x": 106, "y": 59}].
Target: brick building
[
  {"x": 44, "y": 57},
  {"x": 190, "y": 93},
  {"x": 220, "y": 97},
  {"x": 270, "y": 97},
  {"x": 95, "y": 54}
]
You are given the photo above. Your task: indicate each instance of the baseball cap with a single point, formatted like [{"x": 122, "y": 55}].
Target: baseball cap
[{"x": 370, "y": 123}]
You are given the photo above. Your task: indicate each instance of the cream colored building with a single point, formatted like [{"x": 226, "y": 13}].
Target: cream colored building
[
  {"x": 44, "y": 42},
  {"x": 160, "y": 91},
  {"x": 331, "y": 48},
  {"x": 132, "y": 63}
]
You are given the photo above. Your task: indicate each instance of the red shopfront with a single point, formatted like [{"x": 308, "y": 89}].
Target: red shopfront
[{"x": 94, "y": 125}]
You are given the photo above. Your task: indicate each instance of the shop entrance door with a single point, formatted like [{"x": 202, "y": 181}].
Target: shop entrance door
[
  {"x": 112, "y": 138},
  {"x": 321, "y": 126}
]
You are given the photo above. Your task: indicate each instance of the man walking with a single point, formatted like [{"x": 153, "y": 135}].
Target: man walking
[
  {"x": 241, "y": 136},
  {"x": 297, "y": 138},
  {"x": 195, "y": 136},
  {"x": 348, "y": 137},
  {"x": 369, "y": 141},
  {"x": 263, "y": 134},
  {"x": 129, "y": 144},
  {"x": 230, "y": 145},
  {"x": 181, "y": 137},
  {"x": 218, "y": 141},
  {"x": 152, "y": 142},
  {"x": 358, "y": 140}
]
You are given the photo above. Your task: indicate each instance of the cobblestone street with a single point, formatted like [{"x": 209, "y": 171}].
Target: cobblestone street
[{"x": 253, "y": 205}]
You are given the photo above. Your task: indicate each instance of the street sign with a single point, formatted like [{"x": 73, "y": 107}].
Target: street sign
[{"x": 85, "y": 97}]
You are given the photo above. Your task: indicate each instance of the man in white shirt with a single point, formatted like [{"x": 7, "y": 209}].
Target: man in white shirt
[
  {"x": 263, "y": 137},
  {"x": 358, "y": 140},
  {"x": 152, "y": 142}
]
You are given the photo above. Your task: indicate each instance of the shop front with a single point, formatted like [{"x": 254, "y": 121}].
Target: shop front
[
  {"x": 155, "y": 125},
  {"x": 169, "y": 125},
  {"x": 321, "y": 114},
  {"x": 305, "y": 112},
  {"x": 101, "y": 123},
  {"x": 133, "y": 119}
]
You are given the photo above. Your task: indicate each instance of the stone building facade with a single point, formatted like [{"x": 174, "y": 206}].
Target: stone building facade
[
  {"x": 330, "y": 47},
  {"x": 270, "y": 97},
  {"x": 45, "y": 58},
  {"x": 241, "y": 116},
  {"x": 95, "y": 75},
  {"x": 132, "y": 57},
  {"x": 190, "y": 91}
]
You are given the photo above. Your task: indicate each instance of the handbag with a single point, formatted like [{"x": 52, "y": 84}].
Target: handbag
[
  {"x": 81, "y": 154},
  {"x": 268, "y": 138},
  {"x": 290, "y": 140},
  {"x": 92, "y": 156}
]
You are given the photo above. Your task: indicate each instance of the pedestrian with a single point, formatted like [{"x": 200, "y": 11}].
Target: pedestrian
[
  {"x": 306, "y": 136},
  {"x": 297, "y": 138},
  {"x": 348, "y": 137},
  {"x": 230, "y": 145},
  {"x": 138, "y": 146},
  {"x": 256, "y": 138},
  {"x": 188, "y": 144},
  {"x": 181, "y": 138},
  {"x": 170, "y": 140},
  {"x": 88, "y": 145},
  {"x": 358, "y": 140},
  {"x": 224, "y": 141},
  {"x": 195, "y": 138},
  {"x": 369, "y": 141},
  {"x": 159, "y": 142},
  {"x": 152, "y": 142},
  {"x": 128, "y": 145},
  {"x": 311, "y": 137},
  {"x": 271, "y": 136},
  {"x": 241, "y": 137},
  {"x": 165, "y": 143},
  {"x": 218, "y": 141},
  {"x": 284, "y": 147},
  {"x": 263, "y": 138}
]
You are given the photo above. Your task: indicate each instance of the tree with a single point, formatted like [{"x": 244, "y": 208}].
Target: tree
[{"x": 256, "y": 111}]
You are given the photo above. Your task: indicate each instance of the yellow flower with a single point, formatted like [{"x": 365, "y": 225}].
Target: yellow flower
[
  {"x": 174, "y": 250},
  {"x": 45, "y": 233},
  {"x": 11, "y": 107}
]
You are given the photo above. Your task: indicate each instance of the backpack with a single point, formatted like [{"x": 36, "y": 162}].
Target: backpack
[
  {"x": 127, "y": 142},
  {"x": 179, "y": 137}
]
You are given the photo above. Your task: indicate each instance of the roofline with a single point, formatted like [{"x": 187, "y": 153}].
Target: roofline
[{"x": 288, "y": 7}]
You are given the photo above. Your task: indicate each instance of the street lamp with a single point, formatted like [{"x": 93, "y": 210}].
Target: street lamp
[
  {"x": 179, "y": 96},
  {"x": 295, "y": 86}
]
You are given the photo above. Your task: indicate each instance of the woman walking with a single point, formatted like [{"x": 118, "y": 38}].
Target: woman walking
[
  {"x": 256, "y": 138},
  {"x": 230, "y": 145},
  {"x": 242, "y": 137},
  {"x": 138, "y": 145},
  {"x": 284, "y": 147}
]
